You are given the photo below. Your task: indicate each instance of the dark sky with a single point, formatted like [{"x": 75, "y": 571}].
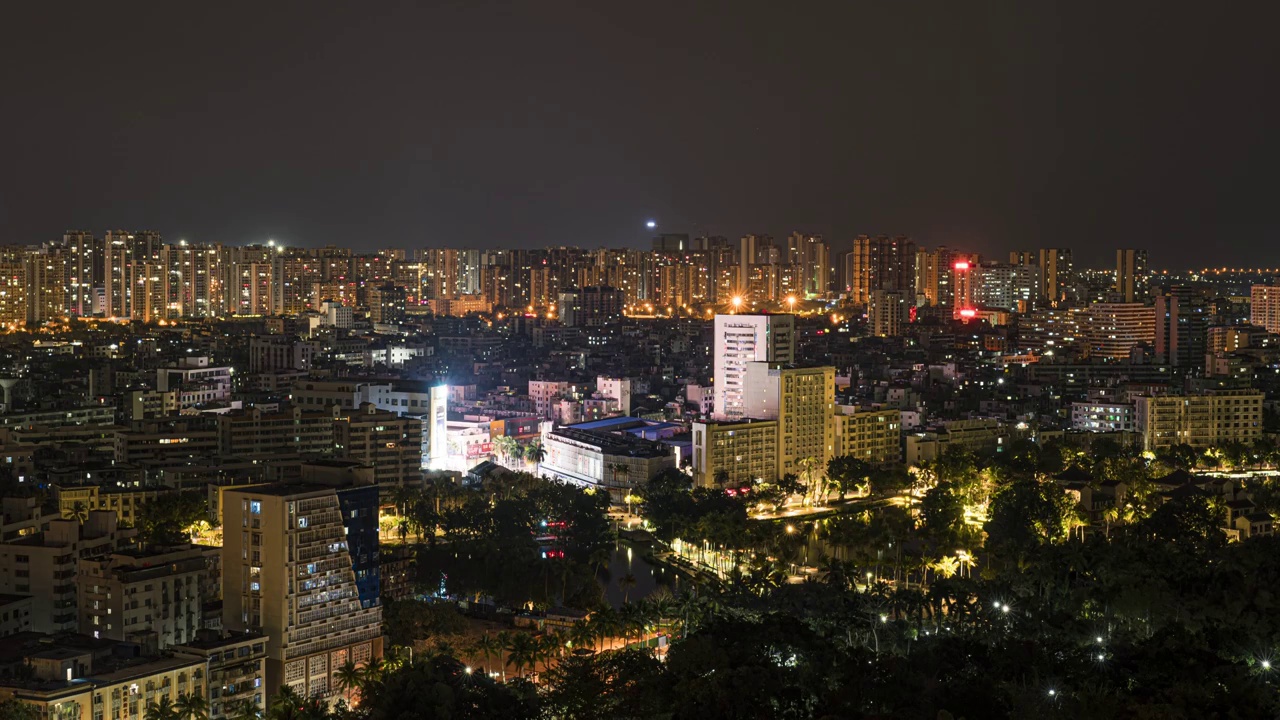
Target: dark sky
[{"x": 481, "y": 124}]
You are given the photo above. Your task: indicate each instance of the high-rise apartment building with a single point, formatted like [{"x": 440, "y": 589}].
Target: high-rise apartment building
[
  {"x": 1182, "y": 322},
  {"x": 935, "y": 275},
  {"x": 812, "y": 256},
  {"x": 962, "y": 300},
  {"x": 740, "y": 339},
  {"x": 1264, "y": 308},
  {"x": 888, "y": 312},
  {"x": 879, "y": 263},
  {"x": 13, "y": 286},
  {"x": 387, "y": 303},
  {"x": 590, "y": 306},
  {"x": 195, "y": 280},
  {"x": 46, "y": 284},
  {"x": 1007, "y": 287},
  {"x": 802, "y": 400},
  {"x": 1131, "y": 275},
  {"x": 300, "y": 566},
  {"x": 249, "y": 279},
  {"x": 81, "y": 254},
  {"x": 117, "y": 273},
  {"x": 1056, "y": 274},
  {"x": 1115, "y": 328}
]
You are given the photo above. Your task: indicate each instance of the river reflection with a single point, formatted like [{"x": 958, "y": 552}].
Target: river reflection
[{"x": 648, "y": 578}]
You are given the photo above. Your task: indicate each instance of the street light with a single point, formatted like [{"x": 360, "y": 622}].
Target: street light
[{"x": 736, "y": 301}]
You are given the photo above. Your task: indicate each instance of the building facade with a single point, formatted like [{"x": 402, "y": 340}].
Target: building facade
[
  {"x": 300, "y": 567},
  {"x": 741, "y": 339},
  {"x": 739, "y": 452},
  {"x": 1200, "y": 421}
]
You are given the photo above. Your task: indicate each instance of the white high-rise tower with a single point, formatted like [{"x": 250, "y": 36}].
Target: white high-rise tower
[{"x": 740, "y": 339}]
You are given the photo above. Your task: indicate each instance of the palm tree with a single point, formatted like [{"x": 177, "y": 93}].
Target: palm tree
[
  {"x": 507, "y": 448},
  {"x": 488, "y": 646},
  {"x": 636, "y": 618},
  {"x": 537, "y": 454},
  {"x": 663, "y": 607},
  {"x": 946, "y": 566},
  {"x": 550, "y": 647},
  {"x": 503, "y": 640},
  {"x": 372, "y": 674},
  {"x": 582, "y": 634},
  {"x": 625, "y": 583},
  {"x": 79, "y": 512},
  {"x": 1109, "y": 515},
  {"x": 289, "y": 705},
  {"x": 521, "y": 651},
  {"x": 244, "y": 710},
  {"x": 349, "y": 679},
  {"x": 162, "y": 709},
  {"x": 624, "y": 470},
  {"x": 606, "y": 624},
  {"x": 192, "y": 707}
]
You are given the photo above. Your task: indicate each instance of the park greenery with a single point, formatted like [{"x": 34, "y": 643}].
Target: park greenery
[{"x": 973, "y": 586}]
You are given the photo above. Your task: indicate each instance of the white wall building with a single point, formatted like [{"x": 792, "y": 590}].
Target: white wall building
[
  {"x": 740, "y": 339},
  {"x": 592, "y": 459},
  {"x": 618, "y": 389},
  {"x": 196, "y": 381}
]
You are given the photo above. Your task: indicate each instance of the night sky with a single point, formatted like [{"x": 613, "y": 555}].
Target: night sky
[{"x": 477, "y": 124}]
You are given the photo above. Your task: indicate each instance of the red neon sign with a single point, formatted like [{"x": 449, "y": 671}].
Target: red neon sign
[{"x": 962, "y": 265}]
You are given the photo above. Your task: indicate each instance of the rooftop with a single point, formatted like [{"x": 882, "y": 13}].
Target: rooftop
[{"x": 611, "y": 444}]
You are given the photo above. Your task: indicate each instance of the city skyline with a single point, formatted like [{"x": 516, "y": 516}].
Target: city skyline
[{"x": 454, "y": 127}]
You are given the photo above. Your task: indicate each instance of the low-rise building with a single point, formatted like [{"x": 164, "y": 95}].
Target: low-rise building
[
  {"x": 980, "y": 436},
  {"x": 1205, "y": 420},
  {"x": 873, "y": 436},
  {"x": 15, "y": 614},
  {"x": 161, "y": 442},
  {"x": 235, "y": 671},
  {"x": 196, "y": 381},
  {"x": 614, "y": 462},
  {"x": 295, "y": 430}
]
